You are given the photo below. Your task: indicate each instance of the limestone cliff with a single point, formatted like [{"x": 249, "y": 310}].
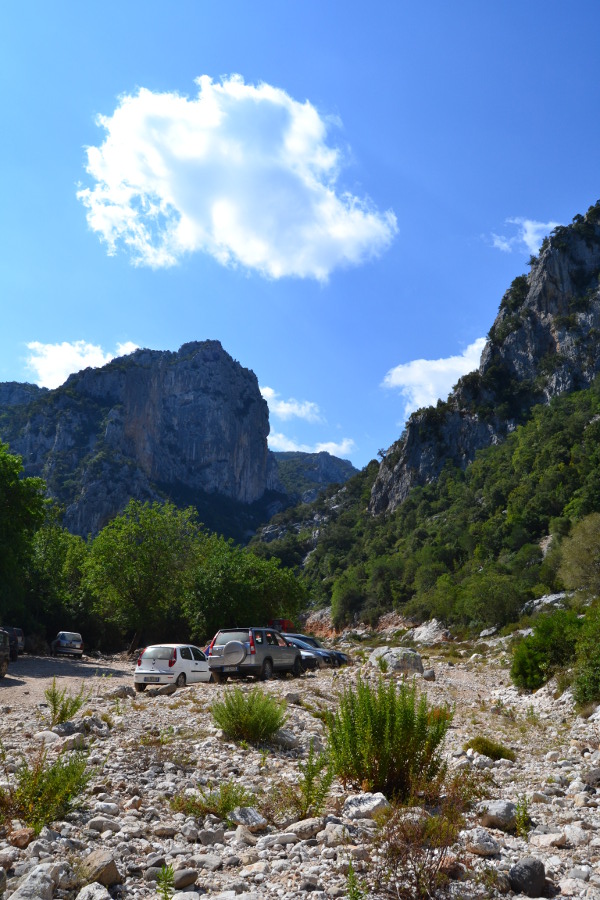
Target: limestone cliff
[
  {"x": 148, "y": 425},
  {"x": 544, "y": 342}
]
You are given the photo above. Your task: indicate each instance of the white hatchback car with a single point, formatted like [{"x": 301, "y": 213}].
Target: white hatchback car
[{"x": 178, "y": 664}]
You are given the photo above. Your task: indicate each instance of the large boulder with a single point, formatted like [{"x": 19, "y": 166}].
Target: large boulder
[
  {"x": 432, "y": 632},
  {"x": 397, "y": 659}
]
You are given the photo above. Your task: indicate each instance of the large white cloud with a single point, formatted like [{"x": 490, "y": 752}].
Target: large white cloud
[
  {"x": 423, "y": 382},
  {"x": 53, "y": 363},
  {"x": 242, "y": 172},
  {"x": 343, "y": 448},
  {"x": 291, "y": 409},
  {"x": 529, "y": 236}
]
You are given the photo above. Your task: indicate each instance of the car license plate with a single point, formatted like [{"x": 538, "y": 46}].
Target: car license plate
[
  {"x": 230, "y": 668},
  {"x": 153, "y": 679}
]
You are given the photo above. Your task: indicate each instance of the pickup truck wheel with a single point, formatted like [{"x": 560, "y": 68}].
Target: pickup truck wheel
[{"x": 267, "y": 670}]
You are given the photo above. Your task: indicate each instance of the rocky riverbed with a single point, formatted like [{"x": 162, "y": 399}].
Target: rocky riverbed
[{"x": 146, "y": 749}]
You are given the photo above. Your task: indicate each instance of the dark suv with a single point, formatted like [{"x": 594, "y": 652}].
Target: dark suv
[
  {"x": 252, "y": 651},
  {"x": 4, "y": 652},
  {"x": 17, "y": 641}
]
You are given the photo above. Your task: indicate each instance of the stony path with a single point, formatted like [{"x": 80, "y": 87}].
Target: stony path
[{"x": 147, "y": 749}]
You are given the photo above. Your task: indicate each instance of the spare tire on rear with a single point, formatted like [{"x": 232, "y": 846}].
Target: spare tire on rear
[{"x": 234, "y": 652}]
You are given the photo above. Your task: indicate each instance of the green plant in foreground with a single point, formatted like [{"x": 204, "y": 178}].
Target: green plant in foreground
[
  {"x": 254, "y": 716},
  {"x": 44, "y": 791},
  {"x": 165, "y": 883},
  {"x": 219, "y": 802},
  {"x": 354, "y": 890},
  {"x": 308, "y": 796},
  {"x": 522, "y": 817},
  {"x": 64, "y": 706},
  {"x": 488, "y": 747},
  {"x": 387, "y": 738},
  {"x": 414, "y": 843}
]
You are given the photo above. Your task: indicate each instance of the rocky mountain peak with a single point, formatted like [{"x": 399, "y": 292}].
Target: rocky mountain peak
[
  {"x": 141, "y": 426},
  {"x": 543, "y": 342}
]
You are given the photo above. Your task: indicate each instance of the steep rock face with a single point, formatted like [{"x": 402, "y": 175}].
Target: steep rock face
[
  {"x": 302, "y": 475},
  {"x": 193, "y": 420},
  {"x": 544, "y": 342}
]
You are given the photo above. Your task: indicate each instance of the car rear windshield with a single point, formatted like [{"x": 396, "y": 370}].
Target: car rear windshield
[
  {"x": 158, "y": 653},
  {"x": 224, "y": 637},
  {"x": 71, "y": 636}
]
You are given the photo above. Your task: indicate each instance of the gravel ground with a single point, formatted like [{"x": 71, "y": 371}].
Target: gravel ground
[{"x": 30, "y": 676}]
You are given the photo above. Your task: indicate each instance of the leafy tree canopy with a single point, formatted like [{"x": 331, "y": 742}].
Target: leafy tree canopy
[
  {"x": 139, "y": 566},
  {"x": 21, "y": 514}
]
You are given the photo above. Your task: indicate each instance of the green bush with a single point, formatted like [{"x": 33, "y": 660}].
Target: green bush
[
  {"x": 44, "y": 791},
  {"x": 387, "y": 738},
  {"x": 586, "y": 683},
  {"x": 254, "y": 716},
  {"x": 64, "y": 706},
  {"x": 490, "y": 748},
  {"x": 219, "y": 802},
  {"x": 552, "y": 645},
  {"x": 307, "y": 797}
]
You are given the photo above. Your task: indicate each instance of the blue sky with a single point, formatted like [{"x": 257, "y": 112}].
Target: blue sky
[{"x": 339, "y": 193}]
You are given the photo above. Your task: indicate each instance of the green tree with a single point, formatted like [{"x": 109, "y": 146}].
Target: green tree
[
  {"x": 586, "y": 685},
  {"x": 21, "y": 514},
  {"x": 232, "y": 587},
  {"x": 55, "y": 574},
  {"x": 580, "y": 565},
  {"x": 140, "y": 567}
]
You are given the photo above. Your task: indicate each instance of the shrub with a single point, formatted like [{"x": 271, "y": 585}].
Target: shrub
[
  {"x": 252, "y": 717},
  {"x": 165, "y": 883},
  {"x": 45, "y": 791},
  {"x": 219, "y": 802},
  {"x": 586, "y": 682},
  {"x": 522, "y": 817},
  {"x": 413, "y": 845},
  {"x": 490, "y": 748},
  {"x": 552, "y": 645},
  {"x": 308, "y": 796},
  {"x": 386, "y": 738},
  {"x": 64, "y": 706}
]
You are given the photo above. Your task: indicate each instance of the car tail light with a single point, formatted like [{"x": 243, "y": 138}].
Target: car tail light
[
  {"x": 139, "y": 662},
  {"x": 252, "y": 647},
  {"x": 173, "y": 659},
  {"x": 212, "y": 645}
]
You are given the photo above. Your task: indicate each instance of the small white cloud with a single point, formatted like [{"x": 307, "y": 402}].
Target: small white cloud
[
  {"x": 53, "y": 363},
  {"x": 423, "y": 382},
  {"x": 529, "y": 236},
  {"x": 242, "y": 172},
  {"x": 279, "y": 442},
  {"x": 291, "y": 409}
]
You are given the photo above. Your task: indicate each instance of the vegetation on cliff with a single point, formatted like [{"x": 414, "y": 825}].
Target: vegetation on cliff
[{"x": 471, "y": 547}]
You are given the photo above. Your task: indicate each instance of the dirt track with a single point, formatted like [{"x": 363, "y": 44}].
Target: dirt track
[{"x": 30, "y": 676}]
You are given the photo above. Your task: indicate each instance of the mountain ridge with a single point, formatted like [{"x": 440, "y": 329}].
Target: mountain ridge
[
  {"x": 189, "y": 425},
  {"x": 544, "y": 342}
]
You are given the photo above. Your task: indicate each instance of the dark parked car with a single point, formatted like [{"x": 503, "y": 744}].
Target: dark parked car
[
  {"x": 4, "y": 652},
  {"x": 17, "y": 640},
  {"x": 338, "y": 658},
  {"x": 252, "y": 651},
  {"x": 67, "y": 642},
  {"x": 324, "y": 657}
]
